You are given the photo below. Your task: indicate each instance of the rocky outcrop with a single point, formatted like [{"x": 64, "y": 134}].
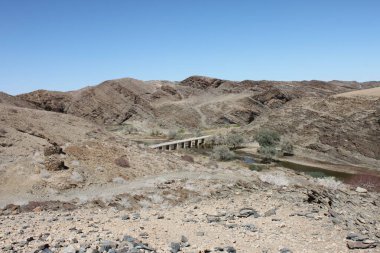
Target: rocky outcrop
[
  {"x": 202, "y": 82},
  {"x": 344, "y": 128},
  {"x": 111, "y": 102}
]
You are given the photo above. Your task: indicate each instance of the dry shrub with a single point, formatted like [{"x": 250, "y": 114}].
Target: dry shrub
[
  {"x": 222, "y": 153},
  {"x": 274, "y": 179},
  {"x": 122, "y": 162},
  {"x": 187, "y": 158},
  {"x": 329, "y": 183},
  {"x": 369, "y": 182}
]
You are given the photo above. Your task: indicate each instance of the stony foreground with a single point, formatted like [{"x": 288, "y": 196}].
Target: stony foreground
[{"x": 248, "y": 220}]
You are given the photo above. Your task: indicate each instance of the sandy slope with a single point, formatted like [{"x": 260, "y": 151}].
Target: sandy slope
[{"x": 374, "y": 92}]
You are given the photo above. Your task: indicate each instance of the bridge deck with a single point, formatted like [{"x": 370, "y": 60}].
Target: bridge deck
[{"x": 179, "y": 141}]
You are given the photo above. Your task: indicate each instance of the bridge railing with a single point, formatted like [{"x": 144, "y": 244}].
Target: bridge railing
[{"x": 185, "y": 143}]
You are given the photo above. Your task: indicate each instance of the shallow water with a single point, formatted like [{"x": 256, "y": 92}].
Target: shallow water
[{"x": 315, "y": 171}]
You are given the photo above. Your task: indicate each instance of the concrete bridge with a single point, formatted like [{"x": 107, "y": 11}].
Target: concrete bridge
[{"x": 186, "y": 143}]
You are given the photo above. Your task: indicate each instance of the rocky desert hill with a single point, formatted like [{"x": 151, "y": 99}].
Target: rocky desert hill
[
  {"x": 192, "y": 103},
  {"x": 70, "y": 183},
  {"x": 344, "y": 129}
]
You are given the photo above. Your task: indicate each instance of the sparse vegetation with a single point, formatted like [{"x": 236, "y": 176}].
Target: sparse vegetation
[
  {"x": 198, "y": 132},
  {"x": 270, "y": 142},
  {"x": 155, "y": 133},
  {"x": 268, "y": 138},
  {"x": 287, "y": 148},
  {"x": 329, "y": 182},
  {"x": 275, "y": 179},
  {"x": 258, "y": 167},
  {"x": 268, "y": 152},
  {"x": 234, "y": 140},
  {"x": 217, "y": 140},
  {"x": 172, "y": 134},
  {"x": 222, "y": 153},
  {"x": 130, "y": 129}
]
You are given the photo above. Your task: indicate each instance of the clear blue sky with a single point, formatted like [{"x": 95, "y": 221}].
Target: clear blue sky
[{"x": 68, "y": 44}]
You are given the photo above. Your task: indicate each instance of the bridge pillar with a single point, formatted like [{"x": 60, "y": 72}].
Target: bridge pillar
[
  {"x": 196, "y": 143},
  {"x": 182, "y": 145}
]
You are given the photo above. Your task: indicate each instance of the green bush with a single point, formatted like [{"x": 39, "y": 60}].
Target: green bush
[
  {"x": 172, "y": 134},
  {"x": 129, "y": 129},
  {"x": 198, "y": 132},
  {"x": 287, "y": 148},
  {"x": 268, "y": 138},
  {"x": 155, "y": 132},
  {"x": 234, "y": 140},
  {"x": 268, "y": 152},
  {"x": 222, "y": 153},
  {"x": 217, "y": 140}
]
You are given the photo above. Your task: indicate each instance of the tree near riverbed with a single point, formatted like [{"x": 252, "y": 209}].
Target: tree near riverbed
[{"x": 270, "y": 143}]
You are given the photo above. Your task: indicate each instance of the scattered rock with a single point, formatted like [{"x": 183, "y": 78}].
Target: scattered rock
[
  {"x": 285, "y": 250},
  {"x": 230, "y": 249},
  {"x": 360, "y": 245},
  {"x": 361, "y": 190},
  {"x": 212, "y": 218},
  {"x": 54, "y": 149},
  {"x": 247, "y": 212},
  {"x": 270, "y": 212},
  {"x": 54, "y": 163},
  {"x": 122, "y": 162},
  {"x": 125, "y": 217},
  {"x": 175, "y": 247}
]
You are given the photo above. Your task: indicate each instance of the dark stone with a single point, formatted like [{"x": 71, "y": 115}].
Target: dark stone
[
  {"x": 355, "y": 237},
  {"x": 184, "y": 239},
  {"x": 106, "y": 246},
  {"x": 270, "y": 212},
  {"x": 212, "y": 218},
  {"x": 250, "y": 227},
  {"x": 144, "y": 247},
  {"x": 175, "y": 247},
  {"x": 52, "y": 150},
  {"x": 247, "y": 212},
  {"x": 230, "y": 249},
  {"x": 43, "y": 246},
  {"x": 285, "y": 250},
  {"x": 360, "y": 245},
  {"x": 128, "y": 238},
  {"x": 125, "y": 217},
  {"x": 135, "y": 216}
]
